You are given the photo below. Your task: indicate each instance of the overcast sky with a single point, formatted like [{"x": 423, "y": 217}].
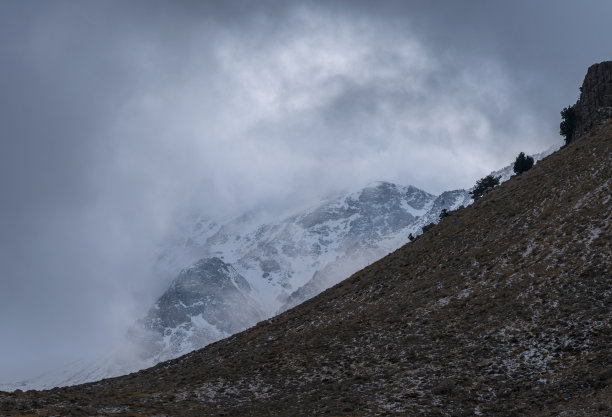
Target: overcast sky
[{"x": 116, "y": 115}]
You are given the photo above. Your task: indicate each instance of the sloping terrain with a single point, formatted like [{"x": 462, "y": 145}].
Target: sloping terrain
[{"x": 502, "y": 309}]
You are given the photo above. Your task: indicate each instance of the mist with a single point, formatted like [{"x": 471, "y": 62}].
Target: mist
[{"x": 119, "y": 117}]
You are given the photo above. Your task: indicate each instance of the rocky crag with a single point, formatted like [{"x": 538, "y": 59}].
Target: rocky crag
[
  {"x": 208, "y": 301},
  {"x": 502, "y": 309},
  {"x": 594, "y": 106}
]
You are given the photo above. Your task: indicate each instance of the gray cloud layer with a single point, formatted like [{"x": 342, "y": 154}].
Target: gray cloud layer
[{"x": 116, "y": 115}]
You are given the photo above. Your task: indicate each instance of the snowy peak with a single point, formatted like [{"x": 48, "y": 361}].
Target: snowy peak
[
  {"x": 367, "y": 215},
  {"x": 248, "y": 270},
  {"x": 206, "y": 302}
]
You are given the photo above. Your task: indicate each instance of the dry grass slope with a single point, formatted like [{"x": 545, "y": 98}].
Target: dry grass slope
[{"x": 503, "y": 309}]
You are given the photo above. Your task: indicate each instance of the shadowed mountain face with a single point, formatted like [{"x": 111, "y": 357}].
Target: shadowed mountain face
[
  {"x": 502, "y": 309},
  {"x": 207, "y": 301}
]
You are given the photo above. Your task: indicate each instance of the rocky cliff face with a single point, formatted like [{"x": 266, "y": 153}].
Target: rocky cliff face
[
  {"x": 206, "y": 302},
  {"x": 595, "y": 103}
]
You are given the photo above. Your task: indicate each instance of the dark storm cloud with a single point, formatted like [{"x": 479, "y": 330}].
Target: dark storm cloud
[{"x": 114, "y": 115}]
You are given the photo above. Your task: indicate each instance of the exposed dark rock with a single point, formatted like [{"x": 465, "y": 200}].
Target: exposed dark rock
[
  {"x": 446, "y": 387},
  {"x": 595, "y": 104},
  {"x": 206, "y": 302}
]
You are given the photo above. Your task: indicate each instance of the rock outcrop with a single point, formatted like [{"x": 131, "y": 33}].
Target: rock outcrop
[
  {"x": 206, "y": 302},
  {"x": 595, "y": 104}
]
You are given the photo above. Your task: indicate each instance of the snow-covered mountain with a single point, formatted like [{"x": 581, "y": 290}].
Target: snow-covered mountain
[{"x": 281, "y": 264}]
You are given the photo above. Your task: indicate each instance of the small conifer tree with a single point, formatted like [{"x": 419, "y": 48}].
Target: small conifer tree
[
  {"x": 484, "y": 185},
  {"x": 444, "y": 213},
  {"x": 522, "y": 163},
  {"x": 568, "y": 124}
]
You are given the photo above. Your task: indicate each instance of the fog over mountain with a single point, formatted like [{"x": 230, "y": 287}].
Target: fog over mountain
[{"x": 117, "y": 118}]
